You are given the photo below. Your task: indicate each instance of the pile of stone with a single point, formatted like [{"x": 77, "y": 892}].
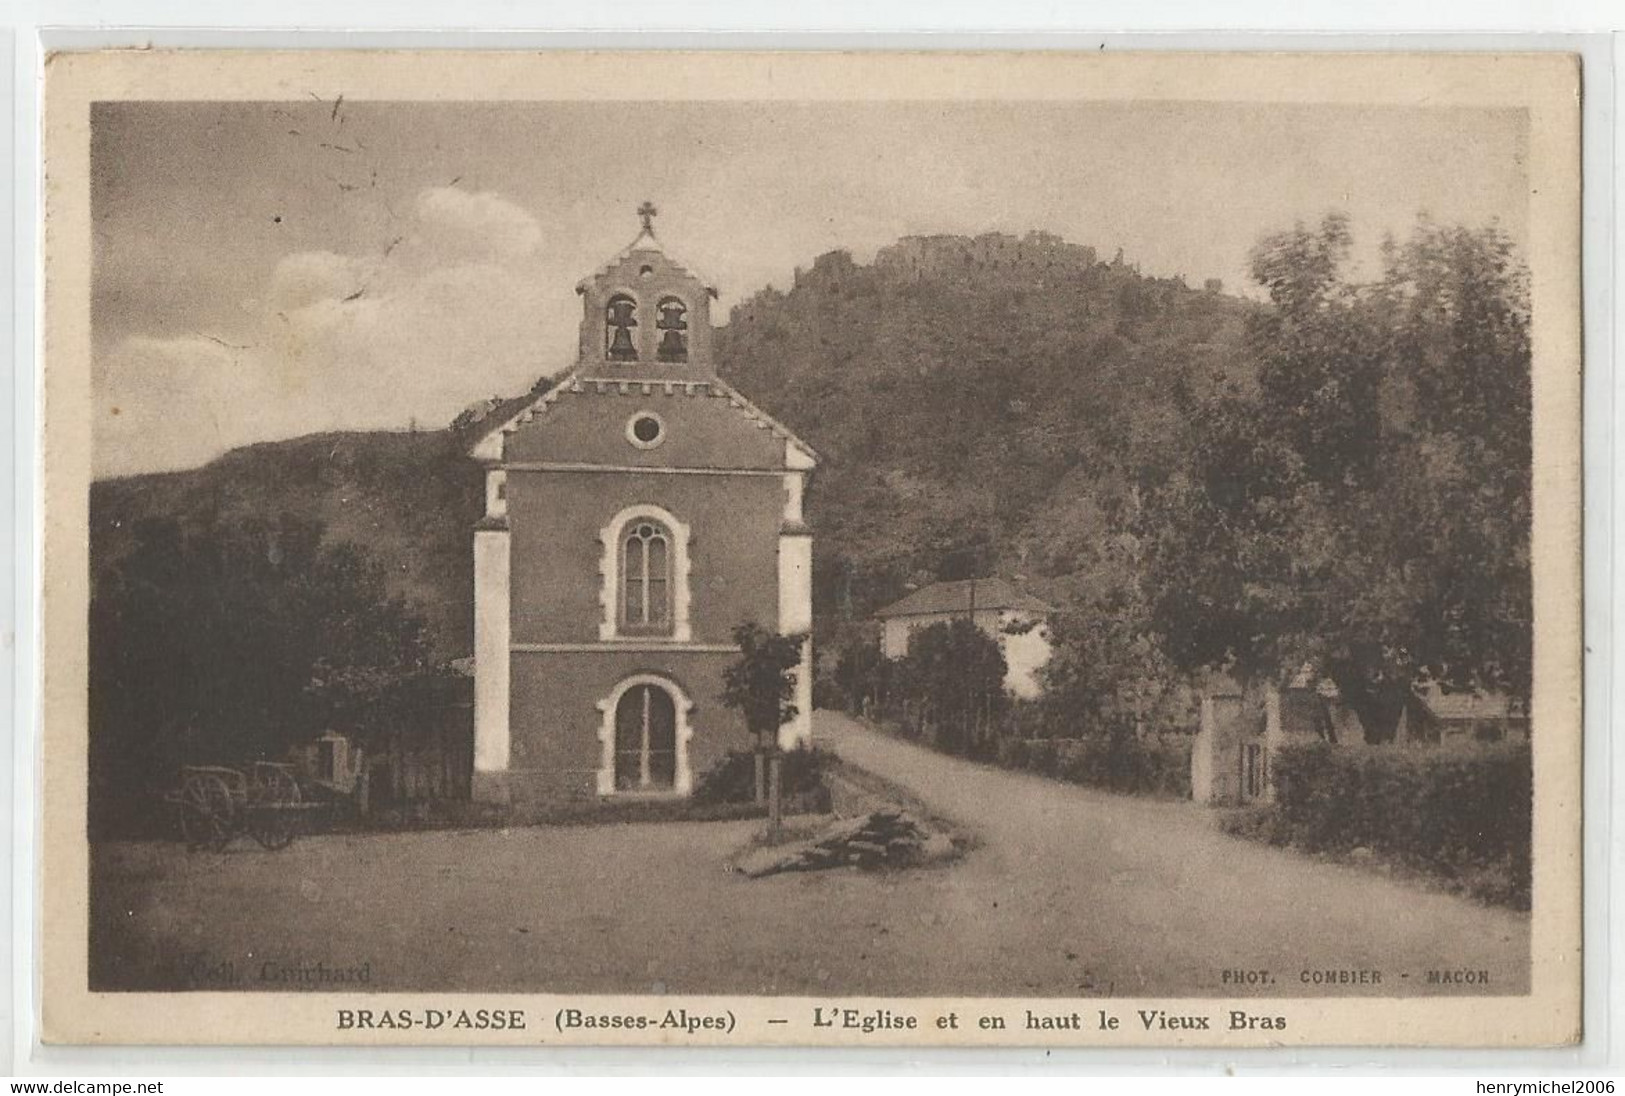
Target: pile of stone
[{"x": 879, "y": 839}]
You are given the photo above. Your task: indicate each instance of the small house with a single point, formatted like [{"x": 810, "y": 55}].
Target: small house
[
  {"x": 1016, "y": 620},
  {"x": 1443, "y": 718}
]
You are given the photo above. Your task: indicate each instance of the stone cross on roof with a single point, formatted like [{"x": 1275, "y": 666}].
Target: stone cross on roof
[{"x": 647, "y": 211}]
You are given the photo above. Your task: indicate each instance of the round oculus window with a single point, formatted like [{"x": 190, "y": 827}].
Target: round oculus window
[{"x": 645, "y": 430}]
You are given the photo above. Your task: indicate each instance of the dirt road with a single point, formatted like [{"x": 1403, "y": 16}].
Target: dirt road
[
  {"x": 1154, "y": 900},
  {"x": 1072, "y": 893}
]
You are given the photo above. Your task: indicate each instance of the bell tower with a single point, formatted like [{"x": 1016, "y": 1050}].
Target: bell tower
[{"x": 644, "y": 316}]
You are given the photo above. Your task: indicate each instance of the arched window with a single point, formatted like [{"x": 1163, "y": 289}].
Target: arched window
[
  {"x": 646, "y": 586},
  {"x": 672, "y": 324},
  {"x": 645, "y": 567},
  {"x": 620, "y": 317}
]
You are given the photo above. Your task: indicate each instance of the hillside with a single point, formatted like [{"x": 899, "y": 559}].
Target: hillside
[
  {"x": 981, "y": 405},
  {"x": 409, "y": 499}
]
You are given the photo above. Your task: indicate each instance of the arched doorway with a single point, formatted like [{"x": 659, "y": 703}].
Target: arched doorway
[
  {"x": 646, "y": 739},
  {"x": 644, "y": 736}
]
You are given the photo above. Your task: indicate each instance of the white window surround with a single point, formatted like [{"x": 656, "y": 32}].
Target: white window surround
[
  {"x": 683, "y": 779},
  {"x": 609, "y": 570},
  {"x": 631, "y": 431}
]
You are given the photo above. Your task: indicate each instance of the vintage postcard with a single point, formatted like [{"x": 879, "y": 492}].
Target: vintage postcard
[{"x": 1065, "y": 550}]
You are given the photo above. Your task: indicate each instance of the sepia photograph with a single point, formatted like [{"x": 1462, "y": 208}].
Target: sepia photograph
[{"x": 768, "y": 559}]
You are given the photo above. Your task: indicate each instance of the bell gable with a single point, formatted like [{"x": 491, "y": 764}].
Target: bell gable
[{"x": 646, "y": 315}]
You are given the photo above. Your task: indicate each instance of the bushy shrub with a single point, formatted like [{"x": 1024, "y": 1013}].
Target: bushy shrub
[
  {"x": 1255, "y": 824},
  {"x": 1012, "y": 753},
  {"x": 1504, "y": 882},
  {"x": 862, "y": 675},
  {"x": 827, "y": 696},
  {"x": 1078, "y": 760},
  {"x": 733, "y": 779},
  {"x": 1152, "y": 766},
  {"x": 1043, "y": 755},
  {"x": 1026, "y": 719},
  {"x": 1169, "y": 765},
  {"x": 1458, "y": 813}
]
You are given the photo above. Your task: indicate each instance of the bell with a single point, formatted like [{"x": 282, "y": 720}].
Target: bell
[
  {"x": 671, "y": 316},
  {"x": 621, "y": 318},
  {"x": 621, "y": 348},
  {"x": 674, "y": 347}
]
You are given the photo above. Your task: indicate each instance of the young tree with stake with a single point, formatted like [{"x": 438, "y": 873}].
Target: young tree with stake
[{"x": 761, "y": 684}]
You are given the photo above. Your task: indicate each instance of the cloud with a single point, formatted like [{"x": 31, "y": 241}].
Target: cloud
[
  {"x": 412, "y": 350},
  {"x": 458, "y": 223},
  {"x": 307, "y": 277},
  {"x": 459, "y": 308},
  {"x": 166, "y": 403}
]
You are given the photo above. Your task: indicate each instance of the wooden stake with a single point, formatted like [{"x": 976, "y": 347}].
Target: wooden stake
[{"x": 775, "y": 806}]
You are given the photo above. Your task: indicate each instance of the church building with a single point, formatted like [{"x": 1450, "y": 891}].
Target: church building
[{"x": 635, "y": 513}]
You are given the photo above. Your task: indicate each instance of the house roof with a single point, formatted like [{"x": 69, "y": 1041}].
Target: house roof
[
  {"x": 1468, "y": 706},
  {"x": 960, "y": 597}
]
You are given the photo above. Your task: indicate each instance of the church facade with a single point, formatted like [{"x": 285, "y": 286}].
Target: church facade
[{"x": 635, "y": 513}]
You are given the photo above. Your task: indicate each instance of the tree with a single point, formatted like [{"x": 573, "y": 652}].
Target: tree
[
  {"x": 224, "y": 643},
  {"x": 861, "y": 674},
  {"x": 953, "y": 676},
  {"x": 1364, "y": 509},
  {"x": 1106, "y": 670},
  {"x": 760, "y": 685},
  {"x": 1458, "y": 299}
]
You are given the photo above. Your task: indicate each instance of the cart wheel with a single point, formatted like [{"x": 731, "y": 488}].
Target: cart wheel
[
  {"x": 274, "y": 784},
  {"x": 206, "y": 812},
  {"x": 273, "y": 809},
  {"x": 273, "y": 829}
]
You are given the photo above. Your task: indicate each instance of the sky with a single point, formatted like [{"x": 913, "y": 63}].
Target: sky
[{"x": 265, "y": 270}]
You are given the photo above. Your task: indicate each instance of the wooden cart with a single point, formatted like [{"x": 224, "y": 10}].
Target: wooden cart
[{"x": 216, "y": 804}]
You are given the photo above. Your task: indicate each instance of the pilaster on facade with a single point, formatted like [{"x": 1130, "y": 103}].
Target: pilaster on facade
[
  {"x": 492, "y": 629},
  {"x": 795, "y": 606}
]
